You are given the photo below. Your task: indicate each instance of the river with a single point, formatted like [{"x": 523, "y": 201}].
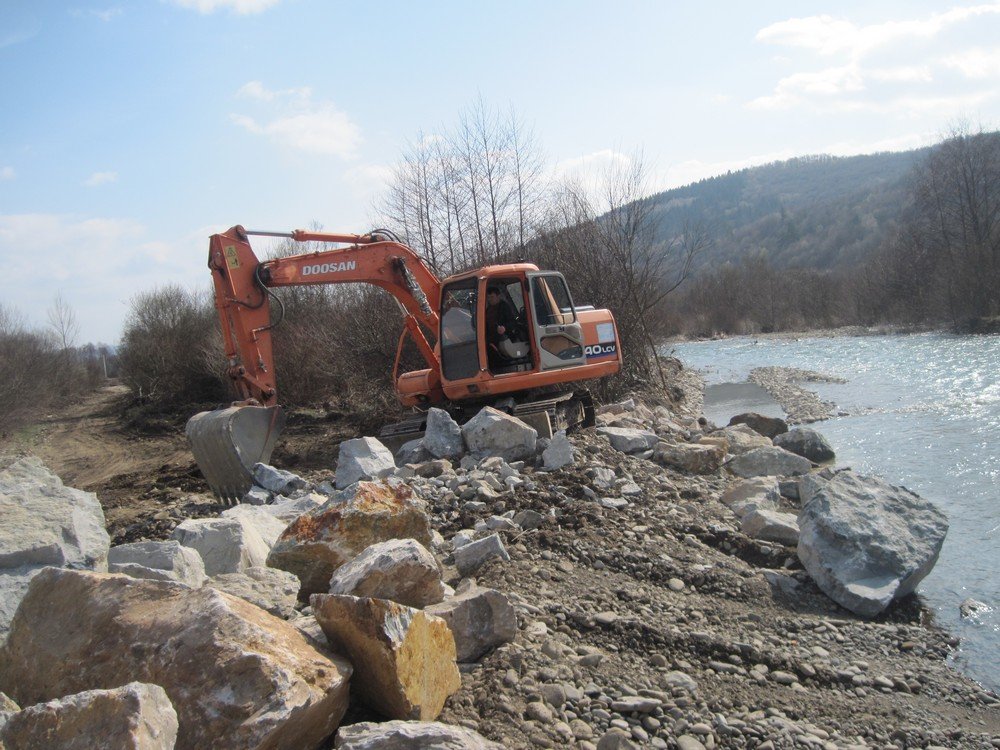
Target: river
[{"x": 920, "y": 410}]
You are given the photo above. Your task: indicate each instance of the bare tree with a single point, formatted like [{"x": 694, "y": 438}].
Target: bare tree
[
  {"x": 63, "y": 323},
  {"x": 469, "y": 195}
]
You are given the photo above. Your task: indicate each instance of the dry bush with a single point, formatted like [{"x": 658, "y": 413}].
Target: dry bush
[
  {"x": 165, "y": 354},
  {"x": 38, "y": 372}
]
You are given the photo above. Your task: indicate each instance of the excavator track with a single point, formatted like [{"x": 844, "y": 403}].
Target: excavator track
[{"x": 567, "y": 410}]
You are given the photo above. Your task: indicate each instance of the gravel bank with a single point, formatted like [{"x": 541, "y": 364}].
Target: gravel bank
[
  {"x": 661, "y": 622},
  {"x": 800, "y": 405}
]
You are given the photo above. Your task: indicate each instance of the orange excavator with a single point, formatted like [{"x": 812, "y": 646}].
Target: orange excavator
[{"x": 507, "y": 336}]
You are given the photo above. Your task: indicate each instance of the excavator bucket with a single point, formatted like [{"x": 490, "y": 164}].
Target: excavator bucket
[{"x": 228, "y": 442}]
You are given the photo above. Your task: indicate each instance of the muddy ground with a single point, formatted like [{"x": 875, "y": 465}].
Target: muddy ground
[{"x": 726, "y": 638}]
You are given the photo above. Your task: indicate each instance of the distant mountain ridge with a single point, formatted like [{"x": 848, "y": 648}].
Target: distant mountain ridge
[{"x": 821, "y": 212}]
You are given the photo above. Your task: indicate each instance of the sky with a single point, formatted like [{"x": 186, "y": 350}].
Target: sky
[{"x": 130, "y": 131}]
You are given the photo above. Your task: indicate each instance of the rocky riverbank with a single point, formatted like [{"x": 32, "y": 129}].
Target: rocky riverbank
[{"x": 632, "y": 604}]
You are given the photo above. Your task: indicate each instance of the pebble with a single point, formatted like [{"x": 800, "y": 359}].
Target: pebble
[
  {"x": 675, "y": 584},
  {"x": 539, "y": 712},
  {"x": 689, "y": 742},
  {"x": 635, "y": 703},
  {"x": 784, "y": 678}
]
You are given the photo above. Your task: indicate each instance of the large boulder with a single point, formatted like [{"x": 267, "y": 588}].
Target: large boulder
[
  {"x": 769, "y": 462},
  {"x": 771, "y": 526},
  {"x": 493, "y": 433},
  {"x": 43, "y": 522},
  {"x": 161, "y": 561},
  {"x": 363, "y": 459},
  {"x": 769, "y": 427},
  {"x": 402, "y": 570},
  {"x": 226, "y": 545},
  {"x": 806, "y": 442},
  {"x": 629, "y": 440},
  {"x": 866, "y": 542},
  {"x": 410, "y": 735},
  {"x": 268, "y": 588},
  {"x": 443, "y": 436},
  {"x": 759, "y": 493},
  {"x": 742, "y": 438},
  {"x": 480, "y": 620},
  {"x": 47, "y": 523},
  {"x": 136, "y": 716},
  {"x": 237, "y": 676},
  {"x": 320, "y": 541},
  {"x": 691, "y": 458},
  {"x": 405, "y": 659}
]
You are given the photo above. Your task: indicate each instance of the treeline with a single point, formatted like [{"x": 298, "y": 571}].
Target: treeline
[
  {"x": 939, "y": 264},
  {"x": 810, "y": 212},
  {"x": 41, "y": 368}
]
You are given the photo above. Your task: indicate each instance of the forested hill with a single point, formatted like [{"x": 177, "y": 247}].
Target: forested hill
[{"x": 811, "y": 212}]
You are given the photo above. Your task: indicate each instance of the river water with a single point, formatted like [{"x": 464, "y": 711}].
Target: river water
[{"x": 923, "y": 411}]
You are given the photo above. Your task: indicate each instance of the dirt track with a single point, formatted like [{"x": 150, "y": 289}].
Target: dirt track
[{"x": 144, "y": 483}]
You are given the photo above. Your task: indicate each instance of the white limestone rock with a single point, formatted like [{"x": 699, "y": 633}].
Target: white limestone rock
[
  {"x": 443, "y": 436},
  {"x": 401, "y": 570},
  {"x": 493, "y": 433},
  {"x": 866, "y": 542},
  {"x": 226, "y": 545},
  {"x": 363, "y": 459},
  {"x": 160, "y": 561}
]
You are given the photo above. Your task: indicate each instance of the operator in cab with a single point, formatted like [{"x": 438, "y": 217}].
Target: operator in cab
[{"x": 499, "y": 321}]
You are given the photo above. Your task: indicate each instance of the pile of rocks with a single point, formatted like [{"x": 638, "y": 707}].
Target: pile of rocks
[
  {"x": 261, "y": 624},
  {"x": 326, "y": 584}
]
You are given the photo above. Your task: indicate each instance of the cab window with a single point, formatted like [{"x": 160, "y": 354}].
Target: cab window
[{"x": 459, "y": 342}]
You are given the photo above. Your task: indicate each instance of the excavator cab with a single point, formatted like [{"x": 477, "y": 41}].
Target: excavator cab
[{"x": 544, "y": 332}]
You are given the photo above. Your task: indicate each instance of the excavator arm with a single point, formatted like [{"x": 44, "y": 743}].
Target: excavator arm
[
  {"x": 228, "y": 442},
  {"x": 242, "y": 299}
]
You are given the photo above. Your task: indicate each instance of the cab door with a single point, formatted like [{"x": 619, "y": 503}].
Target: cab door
[{"x": 557, "y": 332}]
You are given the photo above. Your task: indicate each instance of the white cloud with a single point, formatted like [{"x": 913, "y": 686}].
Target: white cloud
[
  {"x": 241, "y": 7},
  {"x": 591, "y": 167},
  {"x": 99, "y": 264},
  {"x": 904, "y": 142},
  {"x": 794, "y": 88},
  {"x": 904, "y": 79},
  {"x": 100, "y": 178},
  {"x": 257, "y": 90},
  {"x": 827, "y": 35},
  {"x": 902, "y": 74},
  {"x": 309, "y": 126},
  {"x": 371, "y": 177},
  {"x": 15, "y": 37},
  {"x": 7, "y": 173},
  {"x": 103, "y": 14},
  {"x": 975, "y": 63}
]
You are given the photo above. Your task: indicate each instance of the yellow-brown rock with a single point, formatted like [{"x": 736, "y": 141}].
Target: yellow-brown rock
[
  {"x": 236, "y": 675},
  {"x": 320, "y": 541},
  {"x": 404, "y": 659}
]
